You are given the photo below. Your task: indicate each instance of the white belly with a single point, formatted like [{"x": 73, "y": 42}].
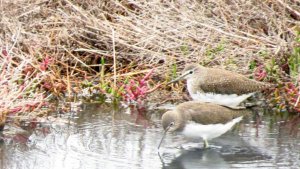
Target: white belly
[
  {"x": 232, "y": 100},
  {"x": 207, "y": 132}
]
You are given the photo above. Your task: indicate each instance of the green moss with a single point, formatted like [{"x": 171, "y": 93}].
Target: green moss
[
  {"x": 184, "y": 49},
  {"x": 174, "y": 70},
  {"x": 211, "y": 52}
]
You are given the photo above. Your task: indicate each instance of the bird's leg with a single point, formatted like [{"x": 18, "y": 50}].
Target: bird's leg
[{"x": 205, "y": 143}]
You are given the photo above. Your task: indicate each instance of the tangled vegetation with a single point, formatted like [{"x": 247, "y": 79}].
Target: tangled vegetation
[{"x": 62, "y": 49}]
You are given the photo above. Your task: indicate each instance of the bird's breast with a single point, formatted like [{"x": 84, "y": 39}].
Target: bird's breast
[{"x": 192, "y": 86}]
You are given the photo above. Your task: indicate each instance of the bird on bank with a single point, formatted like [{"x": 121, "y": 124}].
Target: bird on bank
[
  {"x": 219, "y": 86},
  {"x": 196, "y": 119}
]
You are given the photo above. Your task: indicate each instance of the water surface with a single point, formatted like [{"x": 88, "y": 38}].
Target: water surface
[{"x": 102, "y": 137}]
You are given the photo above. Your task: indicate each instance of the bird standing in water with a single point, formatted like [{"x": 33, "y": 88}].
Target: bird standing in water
[{"x": 196, "y": 119}]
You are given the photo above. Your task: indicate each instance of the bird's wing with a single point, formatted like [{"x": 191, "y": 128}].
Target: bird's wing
[
  {"x": 209, "y": 113},
  {"x": 225, "y": 82}
]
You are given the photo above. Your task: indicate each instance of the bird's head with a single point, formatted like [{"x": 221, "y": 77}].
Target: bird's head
[
  {"x": 188, "y": 72},
  {"x": 170, "y": 121}
]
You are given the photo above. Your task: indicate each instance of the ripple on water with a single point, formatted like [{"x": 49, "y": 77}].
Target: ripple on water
[{"x": 104, "y": 138}]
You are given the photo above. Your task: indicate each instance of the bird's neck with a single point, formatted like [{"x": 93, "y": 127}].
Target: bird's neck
[{"x": 182, "y": 119}]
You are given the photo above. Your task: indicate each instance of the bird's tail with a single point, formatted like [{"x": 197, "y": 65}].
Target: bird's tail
[
  {"x": 236, "y": 120},
  {"x": 230, "y": 124}
]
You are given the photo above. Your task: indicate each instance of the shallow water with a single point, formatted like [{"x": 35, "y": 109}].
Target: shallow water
[{"x": 101, "y": 137}]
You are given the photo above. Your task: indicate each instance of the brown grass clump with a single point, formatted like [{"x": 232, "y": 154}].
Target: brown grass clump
[{"x": 69, "y": 45}]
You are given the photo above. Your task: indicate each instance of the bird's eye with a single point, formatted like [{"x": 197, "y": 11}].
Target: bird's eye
[
  {"x": 191, "y": 72},
  {"x": 172, "y": 123}
]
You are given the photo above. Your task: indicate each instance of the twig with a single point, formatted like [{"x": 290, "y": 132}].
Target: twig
[
  {"x": 298, "y": 99},
  {"x": 155, "y": 88},
  {"x": 115, "y": 60},
  {"x": 289, "y": 8},
  {"x": 78, "y": 60},
  {"x": 68, "y": 83},
  {"x": 15, "y": 39}
]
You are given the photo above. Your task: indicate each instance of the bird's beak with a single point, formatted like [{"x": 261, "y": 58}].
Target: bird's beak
[
  {"x": 178, "y": 78},
  {"x": 165, "y": 132}
]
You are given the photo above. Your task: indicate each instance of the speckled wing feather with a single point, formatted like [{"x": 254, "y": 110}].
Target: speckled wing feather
[
  {"x": 226, "y": 82},
  {"x": 210, "y": 113}
]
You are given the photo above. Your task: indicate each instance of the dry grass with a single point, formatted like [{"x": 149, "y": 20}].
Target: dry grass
[
  {"x": 146, "y": 32},
  {"x": 19, "y": 81},
  {"x": 140, "y": 35}
]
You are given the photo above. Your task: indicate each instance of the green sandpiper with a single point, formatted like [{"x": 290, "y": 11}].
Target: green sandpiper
[
  {"x": 195, "y": 119},
  {"x": 219, "y": 86}
]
